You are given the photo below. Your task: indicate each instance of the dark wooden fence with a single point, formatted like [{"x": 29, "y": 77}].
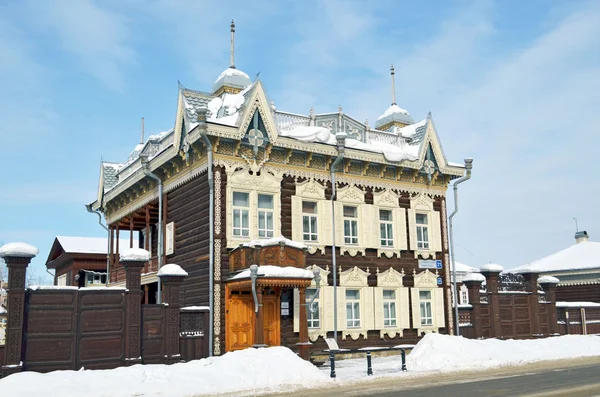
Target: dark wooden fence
[
  {"x": 579, "y": 319},
  {"x": 53, "y": 328}
]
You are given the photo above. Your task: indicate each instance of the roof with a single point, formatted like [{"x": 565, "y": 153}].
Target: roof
[
  {"x": 461, "y": 267},
  {"x": 232, "y": 77},
  {"x": 584, "y": 255},
  {"x": 394, "y": 113}
]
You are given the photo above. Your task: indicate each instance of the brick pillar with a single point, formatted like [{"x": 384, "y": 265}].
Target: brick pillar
[
  {"x": 171, "y": 277},
  {"x": 492, "y": 276},
  {"x": 17, "y": 257},
  {"x": 133, "y": 261},
  {"x": 473, "y": 284},
  {"x": 531, "y": 283},
  {"x": 548, "y": 284},
  {"x": 303, "y": 342}
]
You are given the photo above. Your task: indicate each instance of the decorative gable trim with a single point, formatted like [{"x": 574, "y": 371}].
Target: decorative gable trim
[
  {"x": 390, "y": 278},
  {"x": 258, "y": 102},
  {"x": 354, "y": 277},
  {"x": 351, "y": 194},
  {"x": 310, "y": 189},
  {"x": 425, "y": 279},
  {"x": 386, "y": 198}
]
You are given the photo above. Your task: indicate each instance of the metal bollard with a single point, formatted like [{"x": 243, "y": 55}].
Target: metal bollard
[
  {"x": 332, "y": 363},
  {"x": 369, "y": 368},
  {"x": 403, "y": 359}
]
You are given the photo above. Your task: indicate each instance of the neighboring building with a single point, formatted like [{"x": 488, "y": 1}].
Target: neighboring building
[
  {"x": 79, "y": 261},
  {"x": 577, "y": 267},
  {"x": 462, "y": 271},
  {"x": 271, "y": 175}
]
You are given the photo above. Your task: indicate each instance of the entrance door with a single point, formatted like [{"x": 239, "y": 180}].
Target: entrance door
[
  {"x": 271, "y": 306},
  {"x": 238, "y": 320}
]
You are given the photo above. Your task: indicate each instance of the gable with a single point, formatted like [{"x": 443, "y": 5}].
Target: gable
[{"x": 257, "y": 103}]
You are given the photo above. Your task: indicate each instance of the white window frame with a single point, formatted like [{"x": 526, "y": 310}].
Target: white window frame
[
  {"x": 313, "y": 317},
  {"x": 352, "y": 196},
  {"x": 263, "y": 212},
  {"x": 391, "y": 279},
  {"x": 325, "y": 306},
  {"x": 388, "y": 200},
  {"x": 426, "y": 305},
  {"x": 93, "y": 278},
  {"x": 426, "y": 281},
  {"x": 353, "y": 307},
  {"x": 313, "y": 232},
  {"x": 311, "y": 190},
  {"x": 423, "y": 204},
  {"x": 242, "y": 210},
  {"x": 387, "y": 225},
  {"x": 464, "y": 295},
  {"x": 423, "y": 241},
  {"x": 355, "y": 279},
  {"x": 390, "y": 305},
  {"x": 351, "y": 224}
]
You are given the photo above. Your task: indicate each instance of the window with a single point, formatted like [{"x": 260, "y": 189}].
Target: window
[
  {"x": 386, "y": 233},
  {"x": 241, "y": 221},
  {"x": 353, "y": 308},
  {"x": 265, "y": 216},
  {"x": 425, "y": 303},
  {"x": 309, "y": 221},
  {"x": 350, "y": 225},
  {"x": 95, "y": 279},
  {"x": 389, "y": 308},
  {"x": 422, "y": 231},
  {"x": 313, "y": 318},
  {"x": 464, "y": 298}
]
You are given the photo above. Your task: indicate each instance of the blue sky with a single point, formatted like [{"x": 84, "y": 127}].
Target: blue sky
[{"x": 512, "y": 84}]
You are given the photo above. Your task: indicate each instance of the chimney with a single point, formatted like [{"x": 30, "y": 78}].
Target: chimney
[{"x": 581, "y": 236}]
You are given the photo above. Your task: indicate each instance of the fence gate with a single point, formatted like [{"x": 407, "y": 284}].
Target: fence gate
[
  {"x": 154, "y": 334},
  {"x": 515, "y": 317}
]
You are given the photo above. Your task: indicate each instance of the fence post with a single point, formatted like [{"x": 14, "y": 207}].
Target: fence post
[
  {"x": 531, "y": 282},
  {"x": 133, "y": 261},
  {"x": 171, "y": 276},
  {"x": 473, "y": 283},
  {"x": 17, "y": 257},
  {"x": 492, "y": 275},
  {"x": 548, "y": 284},
  {"x": 369, "y": 367}
]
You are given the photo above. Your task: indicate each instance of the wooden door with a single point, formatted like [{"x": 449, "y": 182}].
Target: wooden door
[
  {"x": 239, "y": 333},
  {"x": 271, "y": 306}
]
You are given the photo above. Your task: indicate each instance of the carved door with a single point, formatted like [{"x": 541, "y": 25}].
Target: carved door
[
  {"x": 271, "y": 306},
  {"x": 238, "y": 319}
]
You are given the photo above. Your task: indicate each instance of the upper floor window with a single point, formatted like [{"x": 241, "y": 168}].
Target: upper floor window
[
  {"x": 422, "y": 231},
  {"x": 386, "y": 228},
  {"x": 353, "y": 308},
  {"x": 309, "y": 221},
  {"x": 464, "y": 296},
  {"x": 350, "y": 225},
  {"x": 389, "y": 308},
  {"x": 312, "y": 317},
  {"x": 241, "y": 217},
  {"x": 265, "y": 216},
  {"x": 425, "y": 306}
]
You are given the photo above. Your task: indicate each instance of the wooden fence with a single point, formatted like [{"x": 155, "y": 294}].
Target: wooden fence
[{"x": 53, "y": 328}]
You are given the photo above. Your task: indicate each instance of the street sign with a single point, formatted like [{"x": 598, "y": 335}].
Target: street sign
[{"x": 430, "y": 264}]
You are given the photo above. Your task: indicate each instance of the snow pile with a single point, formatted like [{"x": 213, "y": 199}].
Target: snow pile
[
  {"x": 134, "y": 254},
  {"x": 250, "y": 371},
  {"x": 548, "y": 280},
  {"x": 267, "y": 242},
  {"x": 171, "y": 269},
  {"x": 18, "y": 250},
  {"x": 276, "y": 271},
  {"x": 474, "y": 277},
  {"x": 393, "y": 109},
  {"x": 446, "y": 352},
  {"x": 492, "y": 267}
]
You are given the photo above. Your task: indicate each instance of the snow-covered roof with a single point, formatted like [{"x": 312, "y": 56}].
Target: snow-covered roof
[
  {"x": 88, "y": 245},
  {"x": 583, "y": 255},
  {"x": 171, "y": 269},
  {"x": 274, "y": 241},
  {"x": 394, "y": 113},
  {"x": 19, "y": 250},
  {"x": 276, "y": 271},
  {"x": 232, "y": 77},
  {"x": 474, "y": 277},
  {"x": 461, "y": 267}
]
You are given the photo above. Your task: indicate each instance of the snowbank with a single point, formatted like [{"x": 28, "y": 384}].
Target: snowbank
[
  {"x": 251, "y": 371},
  {"x": 446, "y": 352}
]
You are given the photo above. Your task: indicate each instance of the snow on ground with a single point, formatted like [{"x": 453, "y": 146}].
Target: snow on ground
[{"x": 256, "y": 371}]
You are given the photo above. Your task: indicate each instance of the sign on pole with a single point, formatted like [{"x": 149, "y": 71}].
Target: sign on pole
[{"x": 430, "y": 264}]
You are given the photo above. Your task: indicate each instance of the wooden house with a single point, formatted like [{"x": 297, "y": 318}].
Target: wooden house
[{"x": 242, "y": 179}]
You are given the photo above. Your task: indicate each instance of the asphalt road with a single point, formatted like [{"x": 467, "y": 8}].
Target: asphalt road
[{"x": 568, "y": 378}]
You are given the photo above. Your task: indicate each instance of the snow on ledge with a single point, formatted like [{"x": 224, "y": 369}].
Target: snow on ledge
[
  {"x": 194, "y": 308},
  {"x": 18, "y": 250},
  {"x": 276, "y": 271},
  {"x": 492, "y": 267},
  {"x": 548, "y": 280},
  {"x": 53, "y": 287},
  {"x": 171, "y": 269},
  {"x": 275, "y": 241},
  {"x": 474, "y": 277},
  {"x": 134, "y": 254},
  {"x": 577, "y": 304}
]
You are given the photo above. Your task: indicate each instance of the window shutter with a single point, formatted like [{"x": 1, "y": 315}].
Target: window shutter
[
  {"x": 440, "y": 319},
  {"x": 296, "y": 310},
  {"x": 297, "y": 219},
  {"x": 436, "y": 231},
  {"x": 402, "y": 302},
  {"x": 324, "y": 222},
  {"x": 366, "y": 301},
  {"x": 170, "y": 238},
  {"x": 327, "y": 305},
  {"x": 341, "y": 309},
  {"x": 378, "y": 299},
  {"x": 412, "y": 229},
  {"x": 253, "y": 215},
  {"x": 416, "y": 313},
  {"x": 400, "y": 242},
  {"x": 339, "y": 224},
  {"x": 365, "y": 225}
]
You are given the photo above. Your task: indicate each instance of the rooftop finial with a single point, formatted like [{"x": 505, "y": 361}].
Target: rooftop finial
[
  {"x": 393, "y": 86},
  {"x": 231, "y": 53},
  {"x": 142, "y": 133}
]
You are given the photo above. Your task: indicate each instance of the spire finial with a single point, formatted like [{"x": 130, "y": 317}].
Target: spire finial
[
  {"x": 393, "y": 85},
  {"x": 231, "y": 51},
  {"x": 142, "y": 133}
]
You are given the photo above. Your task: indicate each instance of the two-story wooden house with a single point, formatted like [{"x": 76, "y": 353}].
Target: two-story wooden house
[{"x": 238, "y": 173}]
